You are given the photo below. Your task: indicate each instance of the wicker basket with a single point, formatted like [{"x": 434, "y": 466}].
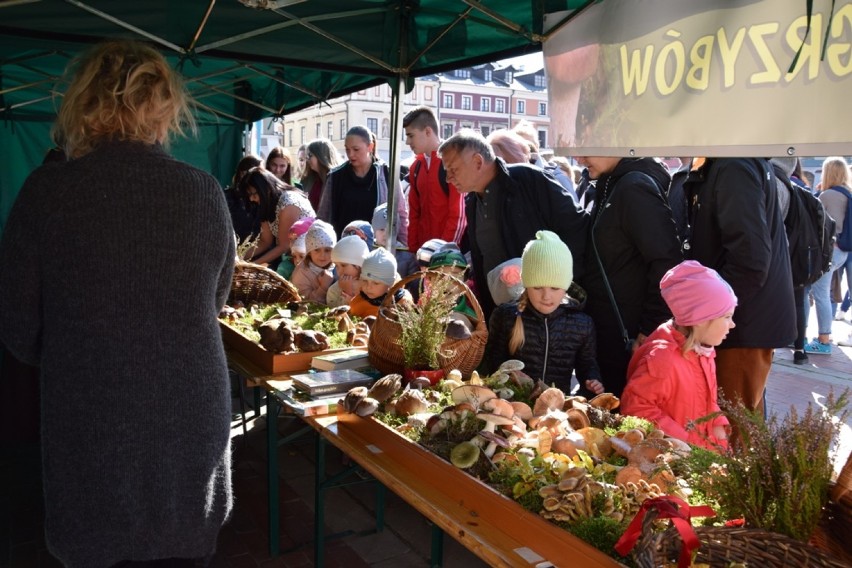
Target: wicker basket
[
  {"x": 385, "y": 352},
  {"x": 832, "y": 533},
  {"x": 721, "y": 545},
  {"x": 258, "y": 284}
]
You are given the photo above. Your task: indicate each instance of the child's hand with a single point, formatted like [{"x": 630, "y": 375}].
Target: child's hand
[
  {"x": 720, "y": 432},
  {"x": 595, "y": 386}
]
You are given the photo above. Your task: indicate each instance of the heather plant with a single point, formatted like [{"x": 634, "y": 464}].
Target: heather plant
[{"x": 777, "y": 476}]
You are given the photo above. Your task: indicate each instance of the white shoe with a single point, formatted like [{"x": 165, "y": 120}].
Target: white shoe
[{"x": 846, "y": 341}]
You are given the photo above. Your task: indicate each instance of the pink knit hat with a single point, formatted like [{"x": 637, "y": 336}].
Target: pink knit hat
[
  {"x": 301, "y": 226},
  {"x": 696, "y": 294}
]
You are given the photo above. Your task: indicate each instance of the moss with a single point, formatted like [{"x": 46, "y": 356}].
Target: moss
[{"x": 600, "y": 532}]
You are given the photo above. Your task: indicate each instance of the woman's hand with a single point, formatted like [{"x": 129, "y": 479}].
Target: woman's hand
[{"x": 595, "y": 386}]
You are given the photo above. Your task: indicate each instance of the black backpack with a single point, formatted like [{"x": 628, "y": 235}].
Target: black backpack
[
  {"x": 442, "y": 176},
  {"x": 810, "y": 233}
]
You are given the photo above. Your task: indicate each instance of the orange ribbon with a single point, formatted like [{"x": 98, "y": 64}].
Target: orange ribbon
[{"x": 667, "y": 507}]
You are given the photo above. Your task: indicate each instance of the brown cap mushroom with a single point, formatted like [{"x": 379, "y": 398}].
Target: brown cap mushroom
[
  {"x": 474, "y": 394},
  {"x": 605, "y": 401},
  {"x": 498, "y": 406},
  {"x": 549, "y": 399}
]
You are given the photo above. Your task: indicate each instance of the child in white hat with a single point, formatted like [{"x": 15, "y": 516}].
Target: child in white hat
[
  {"x": 348, "y": 256},
  {"x": 546, "y": 328},
  {"x": 315, "y": 274},
  {"x": 378, "y": 274}
]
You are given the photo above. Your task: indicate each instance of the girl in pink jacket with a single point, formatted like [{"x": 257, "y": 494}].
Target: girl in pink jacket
[{"x": 672, "y": 375}]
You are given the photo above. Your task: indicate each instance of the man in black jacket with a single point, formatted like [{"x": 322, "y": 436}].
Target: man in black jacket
[
  {"x": 506, "y": 205},
  {"x": 738, "y": 230},
  {"x": 632, "y": 243}
]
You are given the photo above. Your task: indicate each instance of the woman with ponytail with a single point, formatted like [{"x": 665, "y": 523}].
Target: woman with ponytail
[{"x": 546, "y": 328}]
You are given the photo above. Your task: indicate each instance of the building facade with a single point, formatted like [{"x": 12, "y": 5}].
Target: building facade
[{"x": 483, "y": 97}]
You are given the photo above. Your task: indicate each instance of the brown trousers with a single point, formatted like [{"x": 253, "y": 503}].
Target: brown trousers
[{"x": 741, "y": 373}]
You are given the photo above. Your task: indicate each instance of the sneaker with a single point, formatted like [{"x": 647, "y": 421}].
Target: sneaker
[
  {"x": 846, "y": 341},
  {"x": 817, "y": 348},
  {"x": 800, "y": 357}
]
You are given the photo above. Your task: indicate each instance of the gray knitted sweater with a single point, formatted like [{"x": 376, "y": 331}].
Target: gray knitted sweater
[{"x": 113, "y": 268}]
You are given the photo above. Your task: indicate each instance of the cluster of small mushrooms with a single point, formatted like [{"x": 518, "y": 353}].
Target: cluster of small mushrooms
[{"x": 555, "y": 427}]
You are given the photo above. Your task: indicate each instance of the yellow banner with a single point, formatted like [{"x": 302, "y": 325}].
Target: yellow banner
[{"x": 702, "y": 78}]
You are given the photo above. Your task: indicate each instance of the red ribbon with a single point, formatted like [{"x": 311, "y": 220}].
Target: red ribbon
[{"x": 667, "y": 507}]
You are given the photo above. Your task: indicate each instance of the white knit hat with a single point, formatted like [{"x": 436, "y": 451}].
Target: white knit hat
[
  {"x": 320, "y": 235},
  {"x": 350, "y": 250},
  {"x": 298, "y": 245},
  {"x": 380, "y": 265}
]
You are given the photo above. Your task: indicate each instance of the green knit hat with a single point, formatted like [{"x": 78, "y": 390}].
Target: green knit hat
[{"x": 547, "y": 262}]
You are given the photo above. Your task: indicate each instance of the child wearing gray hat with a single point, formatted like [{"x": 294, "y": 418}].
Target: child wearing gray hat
[{"x": 378, "y": 274}]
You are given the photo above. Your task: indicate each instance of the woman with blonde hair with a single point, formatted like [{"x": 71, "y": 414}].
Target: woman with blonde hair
[
  {"x": 113, "y": 268},
  {"x": 835, "y": 197}
]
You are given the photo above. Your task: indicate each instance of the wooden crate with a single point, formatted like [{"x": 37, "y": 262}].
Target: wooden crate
[{"x": 272, "y": 363}]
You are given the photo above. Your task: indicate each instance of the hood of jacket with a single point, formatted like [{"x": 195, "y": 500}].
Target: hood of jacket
[{"x": 650, "y": 166}]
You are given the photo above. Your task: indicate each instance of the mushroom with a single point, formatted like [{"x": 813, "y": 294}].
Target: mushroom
[
  {"x": 353, "y": 397},
  {"x": 597, "y": 442},
  {"x": 494, "y": 440},
  {"x": 366, "y": 407},
  {"x": 605, "y": 401},
  {"x": 386, "y": 387},
  {"x": 499, "y": 407},
  {"x": 552, "y": 398},
  {"x": 511, "y": 365},
  {"x": 464, "y": 455},
  {"x": 454, "y": 375},
  {"x": 419, "y": 383},
  {"x": 411, "y": 402},
  {"x": 493, "y": 420},
  {"x": 474, "y": 394},
  {"x": 577, "y": 419},
  {"x": 522, "y": 410},
  {"x": 369, "y": 321}
]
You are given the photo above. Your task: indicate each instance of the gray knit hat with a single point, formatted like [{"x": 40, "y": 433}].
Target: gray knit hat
[
  {"x": 380, "y": 217},
  {"x": 380, "y": 265},
  {"x": 320, "y": 235}
]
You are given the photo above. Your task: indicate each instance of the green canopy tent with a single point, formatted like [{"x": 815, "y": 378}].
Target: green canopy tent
[{"x": 248, "y": 59}]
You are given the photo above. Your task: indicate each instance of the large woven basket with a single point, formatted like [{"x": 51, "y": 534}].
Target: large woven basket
[
  {"x": 385, "y": 352},
  {"x": 832, "y": 533},
  {"x": 258, "y": 284},
  {"x": 720, "y": 546}
]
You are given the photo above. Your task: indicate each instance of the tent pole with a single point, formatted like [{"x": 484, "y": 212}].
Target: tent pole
[{"x": 397, "y": 112}]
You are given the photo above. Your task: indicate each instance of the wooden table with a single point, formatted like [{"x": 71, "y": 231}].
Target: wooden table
[{"x": 492, "y": 526}]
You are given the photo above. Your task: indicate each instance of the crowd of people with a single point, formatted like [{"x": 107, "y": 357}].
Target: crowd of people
[{"x": 656, "y": 286}]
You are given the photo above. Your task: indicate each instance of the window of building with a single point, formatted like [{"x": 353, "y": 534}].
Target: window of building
[
  {"x": 509, "y": 76},
  {"x": 373, "y": 126},
  {"x": 542, "y": 109},
  {"x": 330, "y": 130},
  {"x": 467, "y": 102},
  {"x": 521, "y": 107},
  {"x": 542, "y": 138},
  {"x": 462, "y": 73},
  {"x": 488, "y": 73},
  {"x": 377, "y": 91},
  {"x": 290, "y": 137},
  {"x": 427, "y": 93},
  {"x": 500, "y": 105},
  {"x": 448, "y": 100},
  {"x": 466, "y": 125},
  {"x": 486, "y": 130},
  {"x": 540, "y": 81},
  {"x": 448, "y": 129},
  {"x": 302, "y": 134},
  {"x": 385, "y": 128},
  {"x": 485, "y": 104},
  {"x": 342, "y": 128},
  {"x": 319, "y": 130}
]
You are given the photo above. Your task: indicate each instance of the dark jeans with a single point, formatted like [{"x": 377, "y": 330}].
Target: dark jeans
[{"x": 801, "y": 318}]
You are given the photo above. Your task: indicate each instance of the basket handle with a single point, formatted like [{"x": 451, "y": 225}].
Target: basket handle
[{"x": 468, "y": 293}]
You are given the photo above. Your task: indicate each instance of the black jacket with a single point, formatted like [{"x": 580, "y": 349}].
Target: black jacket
[
  {"x": 637, "y": 242},
  {"x": 737, "y": 230},
  {"x": 532, "y": 201},
  {"x": 554, "y": 345}
]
